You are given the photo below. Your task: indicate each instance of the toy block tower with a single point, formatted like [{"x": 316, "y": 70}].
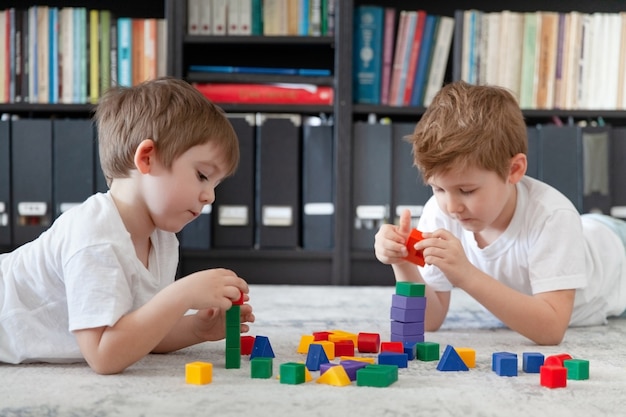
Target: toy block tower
[
  {"x": 233, "y": 335},
  {"x": 408, "y": 305}
]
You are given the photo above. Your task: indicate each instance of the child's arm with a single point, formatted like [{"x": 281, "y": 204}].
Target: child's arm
[
  {"x": 110, "y": 350},
  {"x": 390, "y": 248},
  {"x": 543, "y": 318}
]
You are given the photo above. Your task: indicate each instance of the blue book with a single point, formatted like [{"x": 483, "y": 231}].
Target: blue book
[
  {"x": 424, "y": 59},
  {"x": 368, "y": 57},
  {"x": 124, "y": 52},
  {"x": 224, "y": 69},
  {"x": 53, "y": 89}
]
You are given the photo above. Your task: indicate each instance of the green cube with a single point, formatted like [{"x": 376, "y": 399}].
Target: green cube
[
  {"x": 377, "y": 376},
  {"x": 261, "y": 367},
  {"x": 410, "y": 289},
  {"x": 427, "y": 351},
  {"x": 577, "y": 369},
  {"x": 292, "y": 373}
]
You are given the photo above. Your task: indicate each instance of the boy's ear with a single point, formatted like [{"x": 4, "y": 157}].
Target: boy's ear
[
  {"x": 519, "y": 164},
  {"x": 144, "y": 156}
]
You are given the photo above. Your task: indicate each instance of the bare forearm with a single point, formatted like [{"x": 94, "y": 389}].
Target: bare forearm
[{"x": 531, "y": 316}]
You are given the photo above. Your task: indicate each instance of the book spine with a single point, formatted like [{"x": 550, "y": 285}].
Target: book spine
[
  {"x": 124, "y": 61},
  {"x": 368, "y": 33},
  {"x": 388, "y": 40}
]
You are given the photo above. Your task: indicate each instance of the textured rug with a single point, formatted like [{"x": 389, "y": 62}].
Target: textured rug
[{"x": 156, "y": 386}]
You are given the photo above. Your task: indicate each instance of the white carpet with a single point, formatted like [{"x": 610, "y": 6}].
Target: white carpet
[{"x": 156, "y": 385}]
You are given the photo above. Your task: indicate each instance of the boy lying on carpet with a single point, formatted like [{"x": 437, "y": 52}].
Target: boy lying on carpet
[
  {"x": 99, "y": 285},
  {"x": 515, "y": 244}
]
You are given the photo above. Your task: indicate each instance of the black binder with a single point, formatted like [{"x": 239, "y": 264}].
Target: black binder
[
  {"x": 31, "y": 180},
  {"x": 318, "y": 181},
  {"x": 618, "y": 172},
  {"x": 371, "y": 181},
  {"x": 233, "y": 209},
  {"x": 5, "y": 184},
  {"x": 407, "y": 186},
  {"x": 73, "y": 163},
  {"x": 197, "y": 233},
  {"x": 561, "y": 160},
  {"x": 278, "y": 180},
  {"x": 596, "y": 142},
  {"x": 532, "y": 156}
]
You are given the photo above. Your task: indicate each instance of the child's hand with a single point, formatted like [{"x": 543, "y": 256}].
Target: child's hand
[
  {"x": 389, "y": 243},
  {"x": 442, "y": 249},
  {"x": 210, "y": 324},
  {"x": 213, "y": 288}
]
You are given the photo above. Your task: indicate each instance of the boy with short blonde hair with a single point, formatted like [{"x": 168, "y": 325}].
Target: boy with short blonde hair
[
  {"x": 515, "y": 244},
  {"x": 99, "y": 285}
]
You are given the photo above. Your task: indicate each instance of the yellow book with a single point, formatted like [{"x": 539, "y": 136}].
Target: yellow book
[{"x": 94, "y": 56}]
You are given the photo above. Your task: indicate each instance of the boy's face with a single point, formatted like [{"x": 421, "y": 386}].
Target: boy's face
[
  {"x": 478, "y": 199},
  {"x": 177, "y": 196}
]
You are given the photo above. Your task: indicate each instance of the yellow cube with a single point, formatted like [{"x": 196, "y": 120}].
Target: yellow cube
[
  {"x": 198, "y": 373},
  {"x": 468, "y": 355}
]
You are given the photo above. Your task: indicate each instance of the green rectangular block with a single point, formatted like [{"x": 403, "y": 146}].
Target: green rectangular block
[
  {"x": 577, "y": 369},
  {"x": 292, "y": 373},
  {"x": 233, "y": 358},
  {"x": 261, "y": 367},
  {"x": 377, "y": 376},
  {"x": 410, "y": 289}
]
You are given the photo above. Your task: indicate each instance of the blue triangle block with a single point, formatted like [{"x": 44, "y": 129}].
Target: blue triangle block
[
  {"x": 316, "y": 357},
  {"x": 262, "y": 348},
  {"x": 451, "y": 361}
]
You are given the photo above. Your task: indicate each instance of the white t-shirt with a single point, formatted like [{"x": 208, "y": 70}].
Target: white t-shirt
[
  {"x": 81, "y": 273},
  {"x": 546, "y": 247}
]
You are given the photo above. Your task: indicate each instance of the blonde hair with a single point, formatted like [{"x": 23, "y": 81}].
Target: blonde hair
[
  {"x": 171, "y": 112},
  {"x": 469, "y": 125}
]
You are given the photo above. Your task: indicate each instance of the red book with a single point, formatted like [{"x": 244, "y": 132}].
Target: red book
[
  {"x": 388, "y": 40},
  {"x": 413, "y": 58},
  {"x": 267, "y": 93}
]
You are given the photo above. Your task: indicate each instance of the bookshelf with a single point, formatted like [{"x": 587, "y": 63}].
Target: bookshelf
[{"x": 342, "y": 264}]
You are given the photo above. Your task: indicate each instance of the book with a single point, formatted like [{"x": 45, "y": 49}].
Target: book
[
  {"x": 528, "y": 89},
  {"x": 424, "y": 60},
  {"x": 267, "y": 93},
  {"x": 546, "y": 71},
  {"x": 406, "y": 56},
  {"x": 398, "y": 58},
  {"x": 416, "y": 46},
  {"x": 388, "y": 44},
  {"x": 368, "y": 43},
  {"x": 441, "y": 55},
  {"x": 94, "y": 56},
  {"x": 124, "y": 57},
  {"x": 225, "y": 69}
]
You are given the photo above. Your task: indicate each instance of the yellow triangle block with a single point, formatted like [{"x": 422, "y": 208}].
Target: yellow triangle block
[
  {"x": 335, "y": 375},
  {"x": 358, "y": 358}
]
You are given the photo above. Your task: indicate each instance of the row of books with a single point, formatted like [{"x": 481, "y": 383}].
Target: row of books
[
  {"x": 549, "y": 60},
  {"x": 403, "y": 67},
  {"x": 261, "y": 17},
  {"x": 72, "y": 54}
]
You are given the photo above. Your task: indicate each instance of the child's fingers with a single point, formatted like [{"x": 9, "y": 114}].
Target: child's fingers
[{"x": 405, "y": 222}]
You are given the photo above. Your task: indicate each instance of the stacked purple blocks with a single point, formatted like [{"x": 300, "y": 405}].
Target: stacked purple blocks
[{"x": 408, "y": 305}]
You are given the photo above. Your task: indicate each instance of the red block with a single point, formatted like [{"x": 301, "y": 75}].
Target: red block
[
  {"x": 368, "y": 342},
  {"x": 240, "y": 300},
  {"x": 247, "y": 343},
  {"x": 392, "y": 347},
  {"x": 317, "y": 336},
  {"x": 553, "y": 376},
  {"x": 344, "y": 348},
  {"x": 414, "y": 256},
  {"x": 556, "y": 360}
]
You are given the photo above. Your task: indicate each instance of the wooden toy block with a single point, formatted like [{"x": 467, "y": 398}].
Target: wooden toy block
[
  {"x": 414, "y": 338},
  {"x": 506, "y": 365},
  {"x": 233, "y": 358},
  {"x": 321, "y": 335},
  {"x": 329, "y": 348},
  {"x": 415, "y": 256},
  {"x": 377, "y": 376},
  {"x": 261, "y": 367},
  {"x": 556, "y": 360},
  {"x": 198, "y": 373},
  {"x": 335, "y": 375},
  {"x": 368, "y": 342},
  {"x": 410, "y": 289},
  {"x": 451, "y": 361},
  {"x": 401, "y": 360},
  {"x": 305, "y": 341},
  {"x": 344, "y": 348},
  {"x": 407, "y": 329},
  {"x": 351, "y": 366},
  {"x": 577, "y": 369},
  {"x": 411, "y": 303},
  {"x": 247, "y": 342},
  {"x": 410, "y": 348},
  {"x": 262, "y": 348},
  {"x": 315, "y": 357},
  {"x": 358, "y": 359},
  {"x": 407, "y": 315},
  {"x": 292, "y": 373},
  {"x": 427, "y": 351},
  {"x": 495, "y": 356},
  {"x": 531, "y": 362},
  {"x": 392, "y": 347},
  {"x": 468, "y": 355},
  {"x": 552, "y": 376}
]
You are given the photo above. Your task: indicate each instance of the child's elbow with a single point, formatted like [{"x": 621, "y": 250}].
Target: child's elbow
[{"x": 103, "y": 367}]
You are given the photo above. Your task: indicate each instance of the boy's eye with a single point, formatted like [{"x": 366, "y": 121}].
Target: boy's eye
[
  {"x": 202, "y": 177},
  {"x": 466, "y": 191}
]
